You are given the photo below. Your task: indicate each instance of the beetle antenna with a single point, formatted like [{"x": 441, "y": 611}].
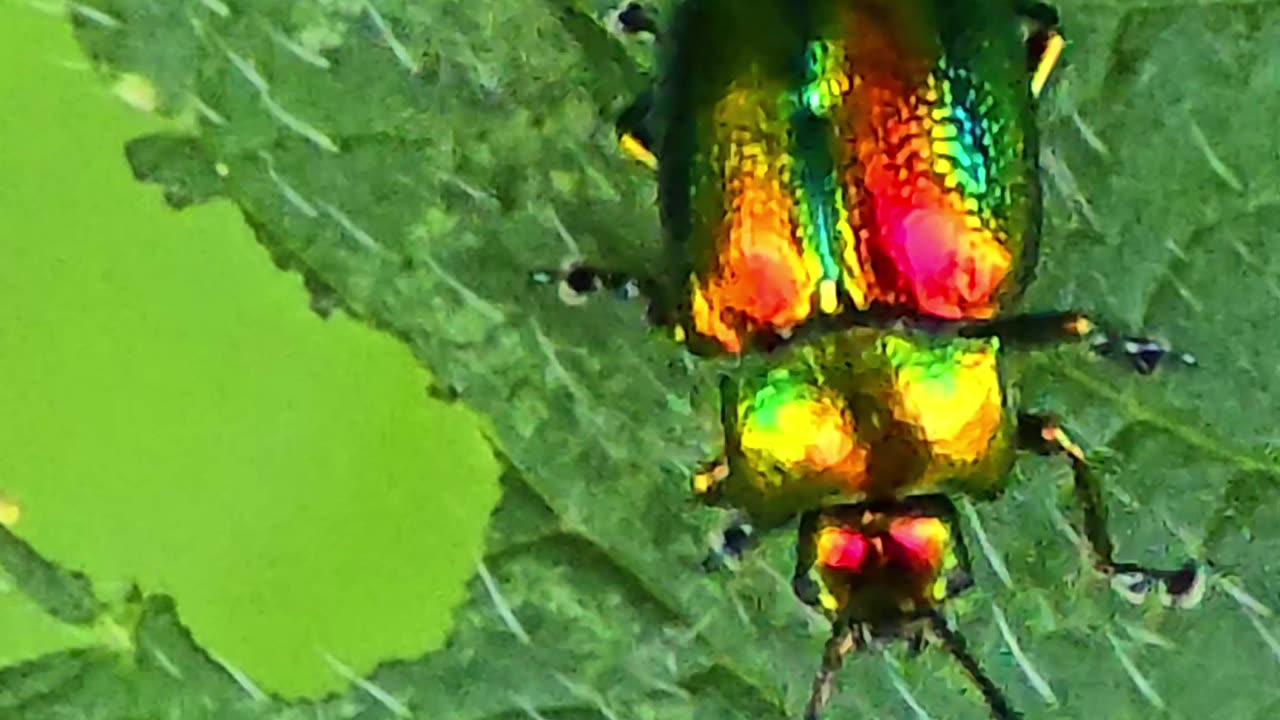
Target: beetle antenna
[
  {"x": 956, "y": 646},
  {"x": 843, "y": 641}
]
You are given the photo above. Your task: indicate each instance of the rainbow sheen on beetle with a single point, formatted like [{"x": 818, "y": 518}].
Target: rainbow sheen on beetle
[
  {"x": 881, "y": 564},
  {"x": 844, "y": 155},
  {"x": 871, "y": 161},
  {"x": 864, "y": 414}
]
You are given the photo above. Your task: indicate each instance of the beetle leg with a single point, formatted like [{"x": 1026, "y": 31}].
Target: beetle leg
[
  {"x": 635, "y": 124},
  {"x": 1144, "y": 354},
  {"x": 844, "y": 640},
  {"x": 743, "y": 532},
  {"x": 636, "y": 132},
  {"x": 802, "y": 583},
  {"x": 1182, "y": 588},
  {"x": 739, "y": 535},
  {"x": 955, "y": 644},
  {"x": 575, "y": 282},
  {"x": 1044, "y": 42},
  {"x": 736, "y": 539},
  {"x": 634, "y": 18}
]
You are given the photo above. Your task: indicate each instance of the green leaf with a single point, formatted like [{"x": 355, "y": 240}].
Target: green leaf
[
  {"x": 175, "y": 417},
  {"x": 417, "y": 160}
]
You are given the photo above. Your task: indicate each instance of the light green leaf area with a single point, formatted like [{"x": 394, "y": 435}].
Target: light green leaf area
[
  {"x": 176, "y": 416},
  {"x": 30, "y": 632},
  {"x": 414, "y": 161}
]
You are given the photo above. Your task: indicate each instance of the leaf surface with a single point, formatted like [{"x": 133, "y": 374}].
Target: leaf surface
[{"x": 416, "y": 160}]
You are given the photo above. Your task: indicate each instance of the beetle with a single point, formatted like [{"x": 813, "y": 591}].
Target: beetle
[
  {"x": 866, "y": 430},
  {"x": 836, "y": 156},
  {"x": 850, "y": 190}
]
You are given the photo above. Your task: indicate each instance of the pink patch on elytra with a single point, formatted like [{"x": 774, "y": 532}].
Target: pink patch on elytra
[
  {"x": 927, "y": 255},
  {"x": 923, "y": 247}
]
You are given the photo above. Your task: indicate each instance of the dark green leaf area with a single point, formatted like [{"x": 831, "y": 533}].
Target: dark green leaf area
[
  {"x": 417, "y": 160},
  {"x": 166, "y": 676},
  {"x": 64, "y": 594},
  {"x": 178, "y": 164}
]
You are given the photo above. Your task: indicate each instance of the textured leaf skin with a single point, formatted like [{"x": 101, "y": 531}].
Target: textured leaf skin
[
  {"x": 65, "y": 595},
  {"x": 1161, "y": 207}
]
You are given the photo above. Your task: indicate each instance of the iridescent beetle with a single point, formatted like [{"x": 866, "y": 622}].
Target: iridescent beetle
[
  {"x": 862, "y": 434},
  {"x": 857, "y": 180}
]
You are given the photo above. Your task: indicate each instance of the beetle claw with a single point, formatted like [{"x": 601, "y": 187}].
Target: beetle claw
[
  {"x": 1144, "y": 354},
  {"x": 634, "y": 18},
  {"x": 1180, "y": 589},
  {"x": 1184, "y": 588}
]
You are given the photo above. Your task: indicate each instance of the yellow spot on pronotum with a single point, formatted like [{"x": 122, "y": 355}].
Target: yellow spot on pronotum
[
  {"x": 637, "y": 151},
  {"x": 1052, "y": 51},
  {"x": 137, "y": 91},
  {"x": 828, "y": 301},
  {"x": 679, "y": 334},
  {"x": 954, "y": 401},
  {"x": 10, "y": 513}
]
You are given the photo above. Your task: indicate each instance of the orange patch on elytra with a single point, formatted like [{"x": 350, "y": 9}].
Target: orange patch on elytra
[{"x": 761, "y": 276}]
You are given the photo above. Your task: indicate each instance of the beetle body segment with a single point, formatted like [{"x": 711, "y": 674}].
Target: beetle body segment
[
  {"x": 876, "y": 160},
  {"x": 831, "y": 154},
  {"x": 879, "y": 564},
  {"x": 865, "y": 415}
]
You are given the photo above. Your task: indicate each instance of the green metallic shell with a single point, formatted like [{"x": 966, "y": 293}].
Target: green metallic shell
[
  {"x": 760, "y": 80},
  {"x": 864, "y": 415}
]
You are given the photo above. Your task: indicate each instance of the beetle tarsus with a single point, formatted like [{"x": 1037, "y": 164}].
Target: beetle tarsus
[
  {"x": 735, "y": 540},
  {"x": 1144, "y": 354},
  {"x": 635, "y": 127},
  {"x": 1044, "y": 42},
  {"x": 1180, "y": 588},
  {"x": 633, "y": 18},
  {"x": 576, "y": 281},
  {"x": 1039, "y": 13}
]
